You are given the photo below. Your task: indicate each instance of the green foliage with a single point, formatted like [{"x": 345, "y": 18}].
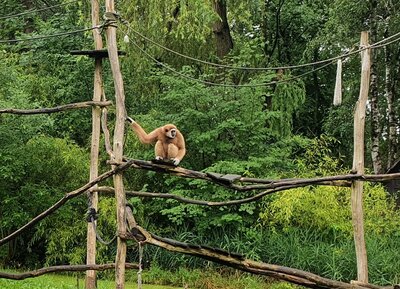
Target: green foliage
[
  {"x": 287, "y": 99},
  {"x": 203, "y": 219},
  {"x": 41, "y": 171},
  {"x": 219, "y": 127},
  {"x": 255, "y": 132},
  {"x": 326, "y": 208}
]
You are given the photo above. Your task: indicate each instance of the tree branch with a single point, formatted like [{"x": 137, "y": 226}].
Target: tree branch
[
  {"x": 106, "y": 133},
  {"x": 194, "y": 201},
  {"x": 230, "y": 181},
  {"x": 63, "y": 200},
  {"x": 62, "y": 268},
  {"x": 59, "y": 108}
]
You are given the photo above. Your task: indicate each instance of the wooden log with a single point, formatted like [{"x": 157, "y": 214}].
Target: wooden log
[
  {"x": 277, "y": 186},
  {"x": 90, "y": 280},
  {"x": 63, "y": 200},
  {"x": 62, "y": 268},
  {"x": 223, "y": 180},
  {"x": 194, "y": 201},
  {"x": 358, "y": 164},
  {"x": 118, "y": 144},
  {"x": 59, "y": 108},
  {"x": 237, "y": 261},
  {"x": 258, "y": 184}
]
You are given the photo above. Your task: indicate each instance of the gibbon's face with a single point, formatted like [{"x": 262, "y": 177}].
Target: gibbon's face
[{"x": 170, "y": 130}]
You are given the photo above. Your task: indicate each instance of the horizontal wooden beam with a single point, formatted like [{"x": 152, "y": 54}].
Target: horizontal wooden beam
[
  {"x": 98, "y": 53},
  {"x": 182, "y": 199},
  {"x": 62, "y": 268},
  {"x": 59, "y": 108},
  {"x": 240, "y": 183}
]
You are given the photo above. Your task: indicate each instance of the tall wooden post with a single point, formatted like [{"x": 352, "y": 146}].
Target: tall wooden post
[
  {"x": 94, "y": 152},
  {"x": 118, "y": 148},
  {"x": 358, "y": 163}
]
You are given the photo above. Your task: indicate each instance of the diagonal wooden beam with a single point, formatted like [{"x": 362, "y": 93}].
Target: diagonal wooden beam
[{"x": 238, "y": 261}]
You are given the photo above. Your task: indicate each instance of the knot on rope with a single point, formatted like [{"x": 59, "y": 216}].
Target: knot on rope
[{"x": 110, "y": 19}]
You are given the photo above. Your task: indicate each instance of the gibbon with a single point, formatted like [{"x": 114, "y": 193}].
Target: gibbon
[{"x": 170, "y": 144}]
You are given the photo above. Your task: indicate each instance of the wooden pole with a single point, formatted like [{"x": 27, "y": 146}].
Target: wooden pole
[
  {"x": 91, "y": 282},
  {"x": 118, "y": 147},
  {"x": 358, "y": 163}
]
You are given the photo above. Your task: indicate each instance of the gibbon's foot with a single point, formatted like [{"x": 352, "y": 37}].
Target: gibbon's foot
[
  {"x": 129, "y": 119},
  {"x": 176, "y": 161},
  {"x": 158, "y": 158},
  {"x": 164, "y": 162}
]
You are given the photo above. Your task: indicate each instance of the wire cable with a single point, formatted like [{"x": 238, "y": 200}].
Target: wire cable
[
  {"x": 222, "y": 84},
  {"x": 385, "y": 44},
  {"x": 379, "y": 43},
  {"x": 50, "y": 36},
  {"x": 229, "y": 66},
  {"x": 347, "y": 54},
  {"x": 35, "y": 10}
]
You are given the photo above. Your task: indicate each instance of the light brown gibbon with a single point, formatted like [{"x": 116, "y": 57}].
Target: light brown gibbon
[{"x": 168, "y": 140}]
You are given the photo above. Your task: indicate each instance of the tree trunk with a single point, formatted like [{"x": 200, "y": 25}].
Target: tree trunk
[
  {"x": 317, "y": 97},
  {"x": 375, "y": 114},
  {"x": 264, "y": 27},
  {"x": 389, "y": 94},
  {"x": 222, "y": 33},
  {"x": 375, "y": 117},
  {"x": 29, "y": 23}
]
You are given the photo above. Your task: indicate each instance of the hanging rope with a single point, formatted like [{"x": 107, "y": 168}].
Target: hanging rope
[
  {"x": 91, "y": 218},
  {"x": 337, "y": 98},
  {"x": 139, "y": 273}
]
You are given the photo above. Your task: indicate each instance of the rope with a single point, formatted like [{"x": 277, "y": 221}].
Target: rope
[
  {"x": 139, "y": 273},
  {"x": 52, "y": 35},
  {"x": 385, "y": 44},
  {"x": 227, "y": 85},
  {"x": 35, "y": 10},
  {"x": 106, "y": 243},
  {"x": 329, "y": 60},
  {"x": 229, "y": 66},
  {"x": 92, "y": 217}
]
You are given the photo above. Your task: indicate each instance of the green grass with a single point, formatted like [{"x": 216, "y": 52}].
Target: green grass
[{"x": 67, "y": 282}]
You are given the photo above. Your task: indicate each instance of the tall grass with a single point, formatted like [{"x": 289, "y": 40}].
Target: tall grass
[{"x": 329, "y": 255}]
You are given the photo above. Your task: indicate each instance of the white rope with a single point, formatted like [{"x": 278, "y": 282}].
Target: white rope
[{"x": 139, "y": 273}]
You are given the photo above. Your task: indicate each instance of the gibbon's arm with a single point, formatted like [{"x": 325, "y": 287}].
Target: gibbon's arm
[
  {"x": 181, "y": 146},
  {"x": 144, "y": 138}
]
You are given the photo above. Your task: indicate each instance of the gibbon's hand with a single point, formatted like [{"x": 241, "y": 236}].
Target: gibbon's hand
[
  {"x": 129, "y": 119},
  {"x": 176, "y": 161}
]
